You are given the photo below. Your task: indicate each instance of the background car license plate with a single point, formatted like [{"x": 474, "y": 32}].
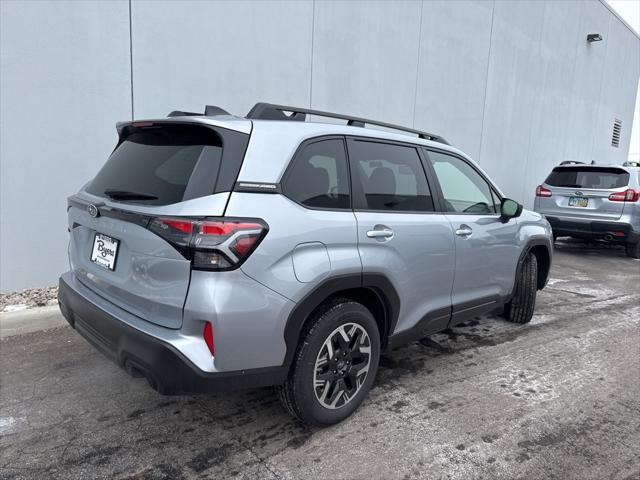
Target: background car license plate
[
  {"x": 578, "y": 201},
  {"x": 104, "y": 251}
]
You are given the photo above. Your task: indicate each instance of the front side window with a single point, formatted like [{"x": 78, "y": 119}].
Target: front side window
[
  {"x": 463, "y": 188},
  {"x": 391, "y": 177},
  {"x": 319, "y": 177}
]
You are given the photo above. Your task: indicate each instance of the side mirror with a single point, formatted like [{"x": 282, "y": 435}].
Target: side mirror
[{"x": 509, "y": 209}]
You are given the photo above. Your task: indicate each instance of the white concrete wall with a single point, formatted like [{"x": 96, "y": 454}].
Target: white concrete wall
[
  {"x": 64, "y": 82},
  {"x": 188, "y": 54},
  {"x": 514, "y": 84}
]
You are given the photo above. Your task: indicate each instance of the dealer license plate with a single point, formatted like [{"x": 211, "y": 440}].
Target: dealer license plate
[{"x": 105, "y": 251}]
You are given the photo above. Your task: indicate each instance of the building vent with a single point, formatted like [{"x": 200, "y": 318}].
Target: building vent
[{"x": 615, "y": 138}]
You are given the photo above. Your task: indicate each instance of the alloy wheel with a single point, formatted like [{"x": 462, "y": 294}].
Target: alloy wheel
[{"x": 342, "y": 365}]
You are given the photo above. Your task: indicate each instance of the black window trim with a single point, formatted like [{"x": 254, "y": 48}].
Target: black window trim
[
  {"x": 422, "y": 150},
  {"x": 303, "y": 144},
  {"x": 492, "y": 188},
  {"x": 356, "y": 191}
]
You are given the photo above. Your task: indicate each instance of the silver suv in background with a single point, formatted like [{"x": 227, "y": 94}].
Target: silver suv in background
[
  {"x": 593, "y": 202},
  {"x": 214, "y": 252}
]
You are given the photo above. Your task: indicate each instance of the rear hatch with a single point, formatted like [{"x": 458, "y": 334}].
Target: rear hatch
[
  {"x": 124, "y": 244},
  {"x": 583, "y": 191}
]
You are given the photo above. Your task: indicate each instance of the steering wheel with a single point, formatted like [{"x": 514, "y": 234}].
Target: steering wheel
[{"x": 480, "y": 207}]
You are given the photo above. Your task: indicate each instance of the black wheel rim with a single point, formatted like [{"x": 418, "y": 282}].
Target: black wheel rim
[{"x": 342, "y": 365}]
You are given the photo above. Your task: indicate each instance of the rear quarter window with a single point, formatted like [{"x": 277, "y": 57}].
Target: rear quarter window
[
  {"x": 591, "y": 177},
  {"x": 318, "y": 176}
]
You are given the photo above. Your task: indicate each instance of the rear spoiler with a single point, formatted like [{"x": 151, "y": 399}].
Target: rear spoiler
[{"x": 209, "y": 111}]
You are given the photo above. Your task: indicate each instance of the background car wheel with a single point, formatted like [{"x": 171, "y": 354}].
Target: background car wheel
[
  {"x": 335, "y": 364},
  {"x": 520, "y": 308},
  {"x": 633, "y": 250}
]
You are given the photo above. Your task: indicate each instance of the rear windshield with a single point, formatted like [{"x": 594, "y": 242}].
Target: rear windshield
[
  {"x": 590, "y": 177},
  {"x": 160, "y": 165}
]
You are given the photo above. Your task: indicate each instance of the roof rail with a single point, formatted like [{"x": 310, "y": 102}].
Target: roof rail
[
  {"x": 268, "y": 111},
  {"x": 209, "y": 111}
]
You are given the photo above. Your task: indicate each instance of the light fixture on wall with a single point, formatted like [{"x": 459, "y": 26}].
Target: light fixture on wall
[{"x": 594, "y": 37}]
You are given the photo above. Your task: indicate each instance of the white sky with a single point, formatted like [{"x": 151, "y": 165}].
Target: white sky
[{"x": 630, "y": 11}]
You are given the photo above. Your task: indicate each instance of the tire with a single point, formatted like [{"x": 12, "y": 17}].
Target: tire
[
  {"x": 632, "y": 250},
  {"x": 313, "y": 385},
  {"x": 520, "y": 308}
]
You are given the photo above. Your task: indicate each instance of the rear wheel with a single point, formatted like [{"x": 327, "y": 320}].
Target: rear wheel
[
  {"x": 633, "y": 250},
  {"x": 520, "y": 308},
  {"x": 335, "y": 365}
]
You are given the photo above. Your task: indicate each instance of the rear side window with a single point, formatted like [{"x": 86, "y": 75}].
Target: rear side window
[
  {"x": 591, "y": 177},
  {"x": 391, "y": 177},
  {"x": 161, "y": 165},
  {"x": 318, "y": 176}
]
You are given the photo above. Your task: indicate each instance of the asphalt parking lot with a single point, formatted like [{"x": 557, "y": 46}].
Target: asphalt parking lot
[{"x": 557, "y": 398}]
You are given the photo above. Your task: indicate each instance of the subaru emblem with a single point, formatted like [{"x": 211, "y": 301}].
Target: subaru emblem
[
  {"x": 579, "y": 193},
  {"x": 93, "y": 210}
]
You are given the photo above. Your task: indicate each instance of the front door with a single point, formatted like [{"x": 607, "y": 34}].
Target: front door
[{"x": 486, "y": 251}]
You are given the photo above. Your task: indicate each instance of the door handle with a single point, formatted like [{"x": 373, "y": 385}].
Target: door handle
[
  {"x": 464, "y": 231},
  {"x": 381, "y": 233}
]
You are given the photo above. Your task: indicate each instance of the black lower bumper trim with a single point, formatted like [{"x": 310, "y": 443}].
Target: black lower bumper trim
[
  {"x": 596, "y": 229},
  {"x": 166, "y": 369}
]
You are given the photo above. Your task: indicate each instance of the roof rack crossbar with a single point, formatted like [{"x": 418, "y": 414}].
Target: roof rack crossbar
[{"x": 268, "y": 111}]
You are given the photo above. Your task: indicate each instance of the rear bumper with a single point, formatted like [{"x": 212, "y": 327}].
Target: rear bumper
[
  {"x": 593, "y": 229},
  {"x": 140, "y": 354}
]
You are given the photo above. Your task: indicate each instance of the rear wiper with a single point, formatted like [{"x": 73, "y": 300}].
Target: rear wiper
[{"x": 126, "y": 195}]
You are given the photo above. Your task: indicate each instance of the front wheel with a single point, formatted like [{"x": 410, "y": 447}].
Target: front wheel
[
  {"x": 520, "y": 308},
  {"x": 335, "y": 365}
]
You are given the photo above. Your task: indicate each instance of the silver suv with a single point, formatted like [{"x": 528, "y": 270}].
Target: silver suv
[
  {"x": 594, "y": 202},
  {"x": 214, "y": 252}
]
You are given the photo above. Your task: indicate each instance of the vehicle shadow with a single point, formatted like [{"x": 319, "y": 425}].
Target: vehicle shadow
[{"x": 589, "y": 247}]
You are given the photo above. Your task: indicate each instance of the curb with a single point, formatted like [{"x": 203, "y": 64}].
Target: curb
[{"x": 30, "y": 320}]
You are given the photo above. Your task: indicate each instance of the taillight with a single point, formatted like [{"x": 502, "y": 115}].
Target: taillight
[
  {"x": 542, "y": 192},
  {"x": 629, "y": 195},
  {"x": 207, "y": 334},
  {"x": 211, "y": 244}
]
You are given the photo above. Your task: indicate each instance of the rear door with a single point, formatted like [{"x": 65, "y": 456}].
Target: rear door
[
  {"x": 584, "y": 191},
  {"x": 117, "y": 248},
  {"x": 399, "y": 232},
  {"x": 486, "y": 250}
]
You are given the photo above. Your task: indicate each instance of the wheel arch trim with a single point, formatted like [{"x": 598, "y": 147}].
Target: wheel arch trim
[
  {"x": 531, "y": 244},
  {"x": 377, "y": 283}
]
